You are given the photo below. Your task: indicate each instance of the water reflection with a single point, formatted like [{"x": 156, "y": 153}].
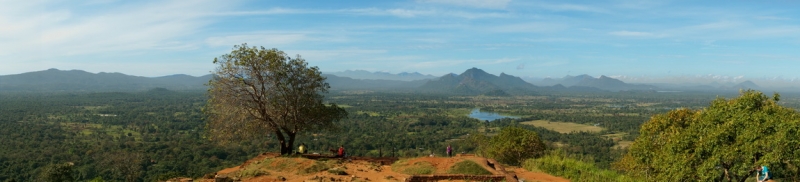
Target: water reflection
[{"x": 484, "y": 116}]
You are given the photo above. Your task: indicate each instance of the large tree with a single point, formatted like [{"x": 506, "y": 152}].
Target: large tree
[
  {"x": 257, "y": 92},
  {"x": 511, "y": 146},
  {"x": 723, "y": 142}
]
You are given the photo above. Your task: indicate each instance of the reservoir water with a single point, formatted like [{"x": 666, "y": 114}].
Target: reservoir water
[{"x": 490, "y": 116}]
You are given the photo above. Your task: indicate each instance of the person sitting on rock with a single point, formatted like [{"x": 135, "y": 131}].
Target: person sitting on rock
[{"x": 301, "y": 149}]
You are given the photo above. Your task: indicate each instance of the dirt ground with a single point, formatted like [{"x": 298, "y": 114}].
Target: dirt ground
[{"x": 360, "y": 169}]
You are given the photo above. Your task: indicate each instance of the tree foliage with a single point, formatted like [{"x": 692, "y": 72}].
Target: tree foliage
[
  {"x": 511, "y": 146},
  {"x": 57, "y": 173},
  {"x": 260, "y": 92},
  {"x": 724, "y": 142}
]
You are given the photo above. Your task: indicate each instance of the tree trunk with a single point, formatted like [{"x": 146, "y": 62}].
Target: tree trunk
[
  {"x": 282, "y": 142},
  {"x": 746, "y": 175},
  {"x": 290, "y": 144}
]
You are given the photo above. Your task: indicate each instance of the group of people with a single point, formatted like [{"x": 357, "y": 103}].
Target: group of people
[{"x": 301, "y": 149}]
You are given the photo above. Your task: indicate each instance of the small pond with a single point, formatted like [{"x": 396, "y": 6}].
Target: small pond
[{"x": 484, "y": 116}]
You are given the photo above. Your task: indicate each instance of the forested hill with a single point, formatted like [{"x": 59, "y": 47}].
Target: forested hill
[
  {"x": 603, "y": 82},
  {"x": 477, "y": 81},
  {"x": 54, "y": 80}
]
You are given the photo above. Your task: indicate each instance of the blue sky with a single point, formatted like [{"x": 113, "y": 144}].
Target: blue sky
[{"x": 756, "y": 39}]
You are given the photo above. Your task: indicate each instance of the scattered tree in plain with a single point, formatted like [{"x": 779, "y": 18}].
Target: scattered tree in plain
[{"x": 258, "y": 92}]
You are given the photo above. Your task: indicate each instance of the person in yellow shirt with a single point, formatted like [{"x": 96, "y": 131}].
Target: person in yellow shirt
[{"x": 301, "y": 149}]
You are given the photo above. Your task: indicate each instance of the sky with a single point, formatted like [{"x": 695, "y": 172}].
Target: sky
[{"x": 630, "y": 39}]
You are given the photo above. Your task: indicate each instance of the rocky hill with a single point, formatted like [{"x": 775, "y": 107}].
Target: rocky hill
[
  {"x": 315, "y": 167},
  {"x": 477, "y": 81}
]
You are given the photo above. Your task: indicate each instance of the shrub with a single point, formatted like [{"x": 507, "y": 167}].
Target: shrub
[
  {"x": 417, "y": 168},
  {"x": 337, "y": 171},
  {"x": 468, "y": 167},
  {"x": 573, "y": 169},
  {"x": 317, "y": 167},
  {"x": 511, "y": 146}
]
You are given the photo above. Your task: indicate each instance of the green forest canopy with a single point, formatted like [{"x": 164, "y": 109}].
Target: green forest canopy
[{"x": 725, "y": 141}]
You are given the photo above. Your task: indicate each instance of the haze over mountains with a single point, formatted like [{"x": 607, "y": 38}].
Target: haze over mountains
[
  {"x": 472, "y": 81},
  {"x": 78, "y": 81},
  {"x": 362, "y": 74}
]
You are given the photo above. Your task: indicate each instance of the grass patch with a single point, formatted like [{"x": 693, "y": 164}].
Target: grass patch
[
  {"x": 573, "y": 169},
  {"x": 418, "y": 168},
  {"x": 317, "y": 167},
  {"x": 337, "y": 171},
  {"x": 563, "y": 127},
  {"x": 468, "y": 167},
  {"x": 94, "y": 108},
  {"x": 282, "y": 163},
  {"x": 623, "y": 144},
  {"x": 370, "y": 113},
  {"x": 615, "y": 135},
  {"x": 254, "y": 169}
]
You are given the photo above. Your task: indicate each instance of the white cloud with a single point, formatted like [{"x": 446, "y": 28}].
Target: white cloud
[
  {"x": 572, "y": 7},
  {"x": 488, "y": 4},
  {"x": 339, "y": 55},
  {"x": 771, "y": 18},
  {"x": 64, "y": 30},
  {"x": 534, "y": 27},
  {"x": 429, "y": 12},
  {"x": 626, "y": 33},
  {"x": 451, "y": 63},
  {"x": 408, "y": 13},
  {"x": 263, "y": 39},
  {"x": 270, "y": 11}
]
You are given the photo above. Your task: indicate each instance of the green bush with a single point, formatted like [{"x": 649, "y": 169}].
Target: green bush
[
  {"x": 57, "y": 172},
  {"x": 468, "y": 167},
  {"x": 317, "y": 167},
  {"x": 417, "y": 168},
  {"x": 511, "y": 146},
  {"x": 337, "y": 171},
  {"x": 575, "y": 170}
]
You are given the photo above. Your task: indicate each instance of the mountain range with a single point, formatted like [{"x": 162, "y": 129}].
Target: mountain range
[
  {"x": 473, "y": 81},
  {"x": 53, "y": 80},
  {"x": 603, "y": 83},
  {"x": 366, "y": 75}
]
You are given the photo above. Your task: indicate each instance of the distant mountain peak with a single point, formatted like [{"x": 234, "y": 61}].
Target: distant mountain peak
[
  {"x": 603, "y": 82},
  {"x": 746, "y": 85},
  {"x": 381, "y": 75},
  {"x": 477, "y": 81}
]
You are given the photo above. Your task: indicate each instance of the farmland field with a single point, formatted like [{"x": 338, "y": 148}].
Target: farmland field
[{"x": 564, "y": 127}]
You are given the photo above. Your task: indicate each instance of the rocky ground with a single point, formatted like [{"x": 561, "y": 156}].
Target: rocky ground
[{"x": 269, "y": 167}]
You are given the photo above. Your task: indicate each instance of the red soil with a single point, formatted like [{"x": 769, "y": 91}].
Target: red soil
[{"x": 370, "y": 169}]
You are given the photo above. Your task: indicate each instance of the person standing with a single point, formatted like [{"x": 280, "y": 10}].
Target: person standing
[
  {"x": 449, "y": 151},
  {"x": 341, "y": 151}
]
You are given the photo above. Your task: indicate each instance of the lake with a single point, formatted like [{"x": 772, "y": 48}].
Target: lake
[{"x": 490, "y": 116}]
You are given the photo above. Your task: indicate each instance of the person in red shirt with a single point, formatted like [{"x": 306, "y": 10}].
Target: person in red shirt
[{"x": 341, "y": 151}]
